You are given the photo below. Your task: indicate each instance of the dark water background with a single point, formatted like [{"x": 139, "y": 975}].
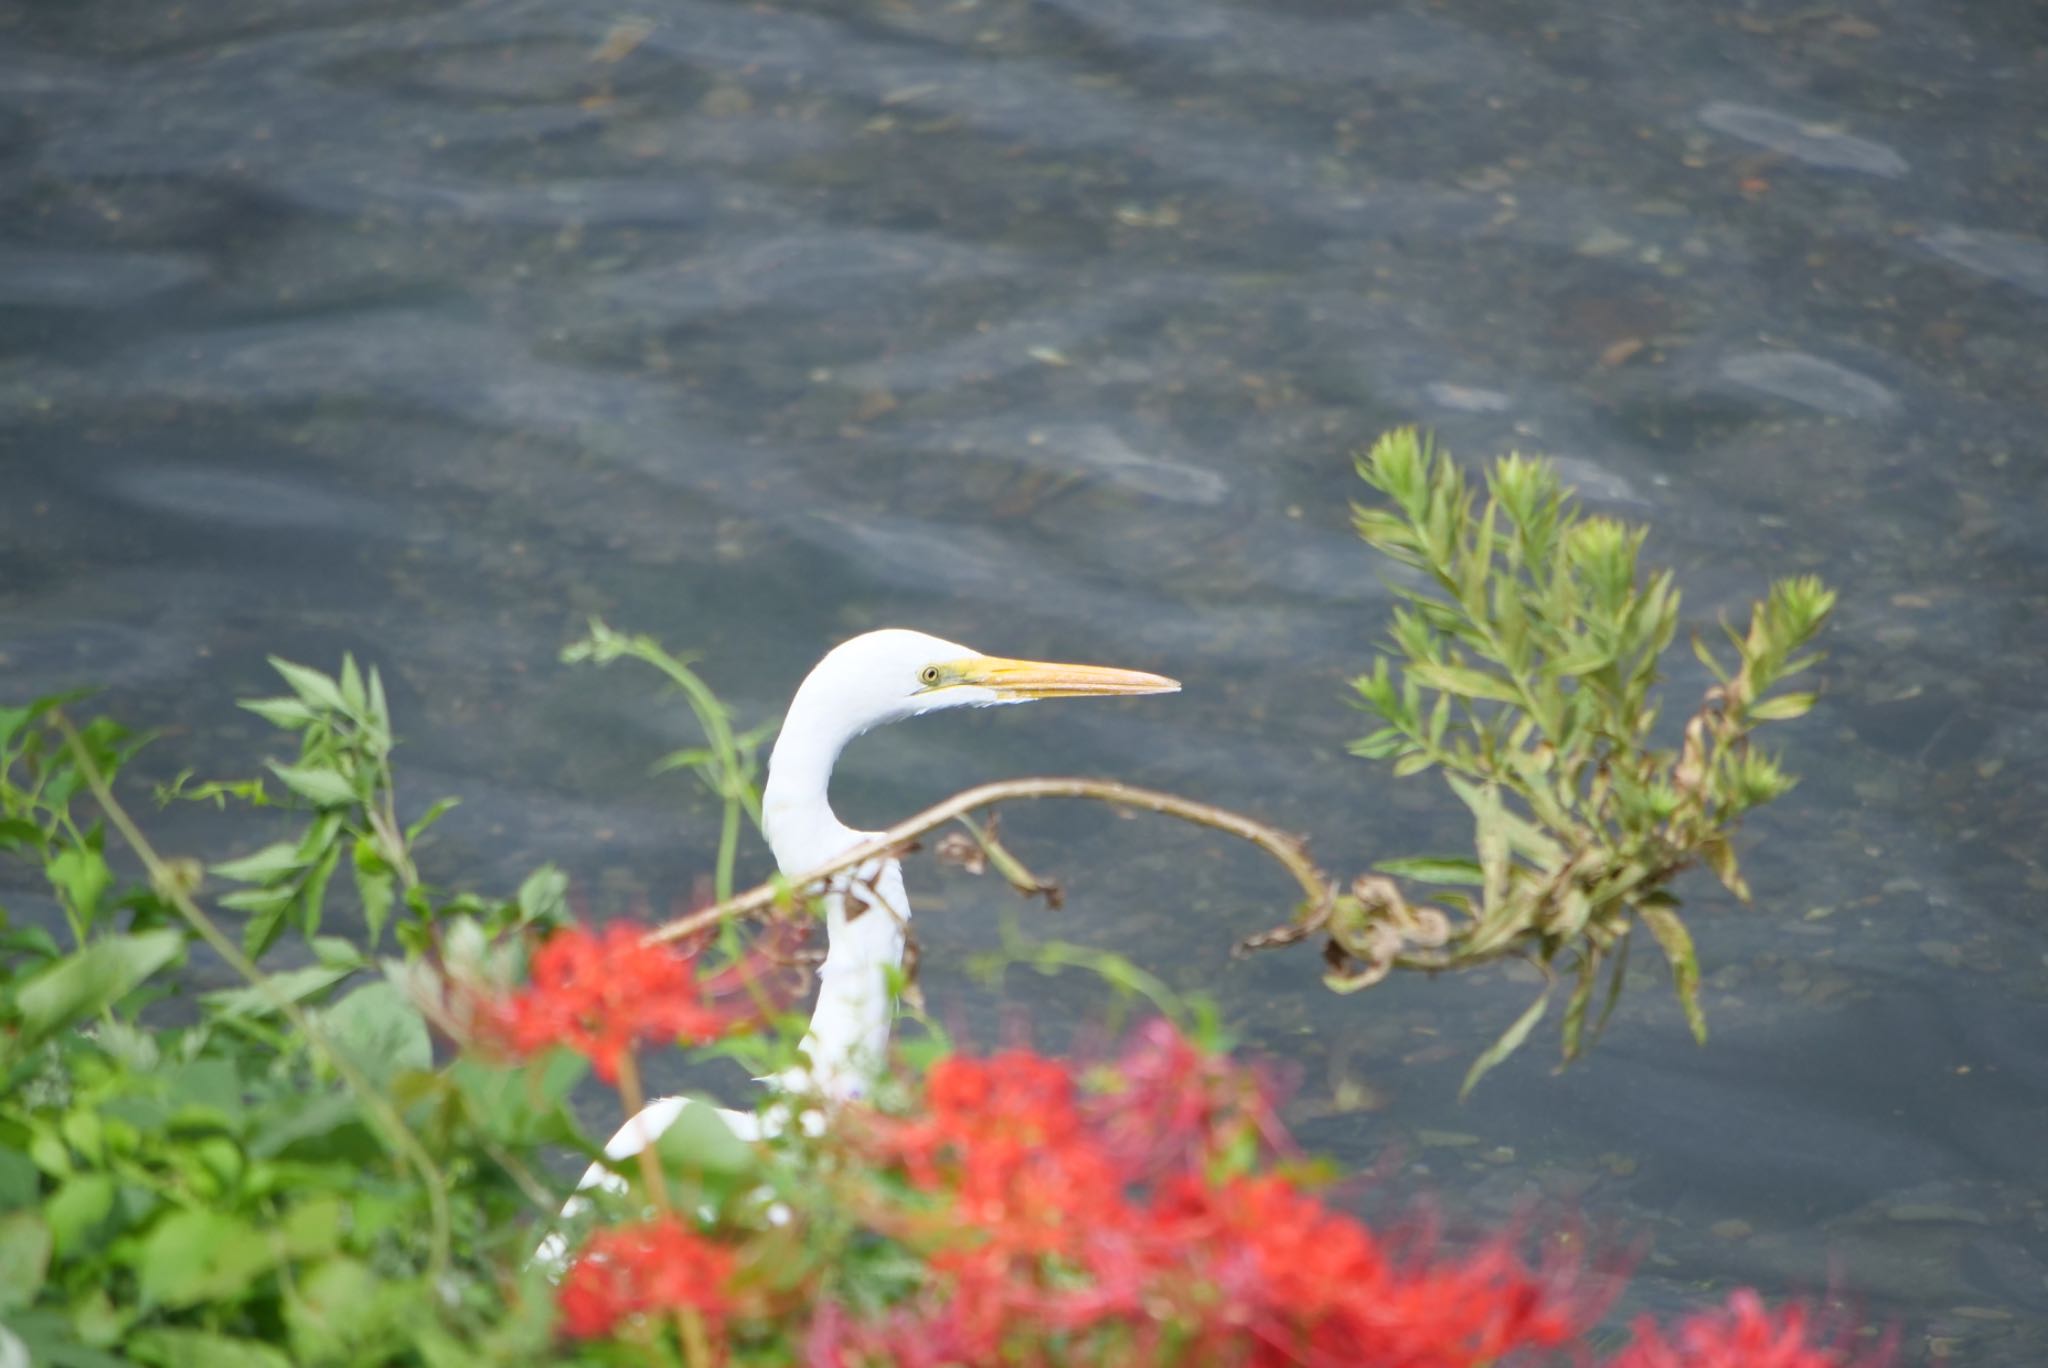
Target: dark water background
[{"x": 425, "y": 330}]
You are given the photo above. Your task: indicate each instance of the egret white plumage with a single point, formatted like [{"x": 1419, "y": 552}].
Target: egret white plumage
[{"x": 880, "y": 677}]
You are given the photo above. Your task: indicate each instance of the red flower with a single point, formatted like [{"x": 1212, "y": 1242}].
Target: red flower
[
  {"x": 1172, "y": 1103},
  {"x": 1276, "y": 1271},
  {"x": 1069, "y": 1230},
  {"x": 600, "y": 993},
  {"x": 637, "y": 1270},
  {"x": 1741, "y": 1335}
]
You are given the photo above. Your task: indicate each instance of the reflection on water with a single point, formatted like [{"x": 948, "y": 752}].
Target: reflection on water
[{"x": 425, "y": 330}]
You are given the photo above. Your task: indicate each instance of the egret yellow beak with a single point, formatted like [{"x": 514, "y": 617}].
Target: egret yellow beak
[{"x": 1022, "y": 679}]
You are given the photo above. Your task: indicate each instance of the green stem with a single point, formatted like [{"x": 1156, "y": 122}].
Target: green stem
[{"x": 727, "y": 775}]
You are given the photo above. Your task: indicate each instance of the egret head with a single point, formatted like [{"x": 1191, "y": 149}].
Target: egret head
[{"x": 893, "y": 673}]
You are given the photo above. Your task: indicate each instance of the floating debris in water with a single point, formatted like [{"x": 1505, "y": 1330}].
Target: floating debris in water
[
  {"x": 1811, "y": 381},
  {"x": 1815, "y": 144}
]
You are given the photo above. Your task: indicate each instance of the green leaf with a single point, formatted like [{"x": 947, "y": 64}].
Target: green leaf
[
  {"x": 288, "y": 713},
  {"x": 375, "y": 888},
  {"x": 1783, "y": 707},
  {"x": 543, "y": 896},
  {"x": 25, "y": 1245},
  {"x": 12, "y": 720},
  {"x": 1466, "y": 683},
  {"x": 701, "y": 1142},
  {"x": 513, "y": 1104},
  {"x": 379, "y": 1031},
  {"x": 267, "y": 907},
  {"x": 49, "y": 1339},
  {"x": 690, "y": 757},
  {"x": 352, "y": 686},
  {"x": 267, "y": 901},
  {"x": 98, "y": 1321},
  {"x": 84, "y": 984},
  {"x": 310, "y": 1118},
  {"x": 81, "y": 874},
  {"x": 1434, "y": 869},
  {"x": 318, "y": 836},
  {"x": 1582, "y": 997},
  {"x": 212, "y": 1085},
  {"x": 331, "y": 1310},
  {"x": 312, "y": 1229},
  {"x": 316, "y": 783},
  {"x": 20, "y": 1181},
  {"x": 309, "y": 684},
  {"x": 78, "y": 1213},
  {"x": 1720, "y": 857},
  {"x": 294, "y": 985},
  {"x": 262, "y": 866},
  {"x": 1619, "y": 953},
  {"x": 378, "y": 711},
  {"x": 1489, "y": 821},
  {"x": 1510, "y": 1040},
  {"x": 1586, "y": 660},
  {"x": 1380, "y": 745},
  {"x": 432, "y": 815},
  {"x": 1676, "y": 942},
  {"x": 314, "y": 892},
  {"x": 199, "y": 1255}
]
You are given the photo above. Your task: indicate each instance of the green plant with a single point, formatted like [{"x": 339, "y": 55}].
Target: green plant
[
  {"x": 218, "y": 1182},
  {"x": 728, "y": 763},
  {"x": 343, "y": 776},
  {"x": 1524, "y": 666}
]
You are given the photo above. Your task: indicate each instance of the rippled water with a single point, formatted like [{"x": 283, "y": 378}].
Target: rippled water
[{"x": 425, "y": 330}]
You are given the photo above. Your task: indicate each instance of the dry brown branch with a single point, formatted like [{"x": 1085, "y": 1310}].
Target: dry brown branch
[{"x": 1319, "y": 892}]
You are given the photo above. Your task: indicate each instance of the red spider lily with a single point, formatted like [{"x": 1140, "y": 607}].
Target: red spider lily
[
  {"x": 902, "y": 1338},
  {"x": 601, "y": 992},
  {"x": 1132, "y": 1225},
  {"x": 649, "y": 1269},
  {"x": 1297, "y": 1282},
  {"x": 1170, "y": 1103},
  {"x": 1743, "y": 1334},
  {"x": 1066, "y": 1226}
]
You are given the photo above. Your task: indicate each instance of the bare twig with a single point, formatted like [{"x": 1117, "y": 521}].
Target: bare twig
[{"x": 1290, "y": 851}]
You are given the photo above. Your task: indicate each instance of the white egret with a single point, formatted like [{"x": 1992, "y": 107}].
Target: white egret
[{"x": 879, "y": 677}]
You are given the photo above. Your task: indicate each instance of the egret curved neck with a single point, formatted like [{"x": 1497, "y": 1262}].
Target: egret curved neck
[{"x": 796, "y": 807}]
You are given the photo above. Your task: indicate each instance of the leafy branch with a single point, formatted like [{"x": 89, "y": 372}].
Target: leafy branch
[{"x": 1524, "y": 662}]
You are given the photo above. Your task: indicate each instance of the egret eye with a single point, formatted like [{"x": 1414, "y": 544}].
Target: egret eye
[{"x": 928, "y": 676}]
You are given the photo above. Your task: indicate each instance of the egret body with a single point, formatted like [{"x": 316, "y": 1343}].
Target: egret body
[{"x": 873, "y": 679}]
